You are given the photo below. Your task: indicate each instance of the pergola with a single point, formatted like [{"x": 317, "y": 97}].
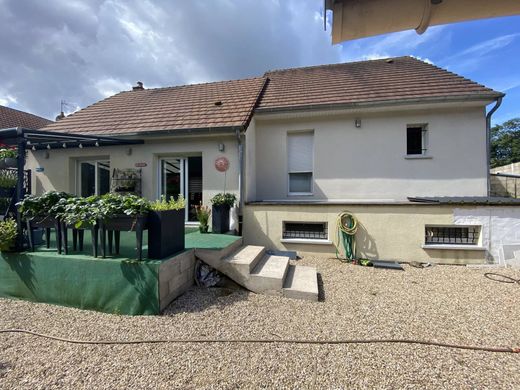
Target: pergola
[{"x": 26, "y": 139}]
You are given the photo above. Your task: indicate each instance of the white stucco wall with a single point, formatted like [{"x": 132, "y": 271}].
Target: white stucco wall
[
  {"x": 60, "y": 168},
  {"x": 369, "y": 162},
  {"x": 250, "y": 162}
]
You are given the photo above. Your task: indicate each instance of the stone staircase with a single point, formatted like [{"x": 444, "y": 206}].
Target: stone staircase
[{"x": 251, "y": 267}]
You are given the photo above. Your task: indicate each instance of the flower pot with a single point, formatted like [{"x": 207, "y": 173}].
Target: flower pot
[
  {"x": 220, "y": 218},
  {"x": 165, "y": 233},
  {"x": 10, "y": 162}
]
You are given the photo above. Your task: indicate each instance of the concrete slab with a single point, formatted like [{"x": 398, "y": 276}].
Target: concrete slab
[
  {"x": 301, "y": 283},
  {"x": 246, "y": 258}
]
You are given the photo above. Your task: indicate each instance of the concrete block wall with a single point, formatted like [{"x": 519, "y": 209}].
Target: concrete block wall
[{"x": 176, "y": 275}]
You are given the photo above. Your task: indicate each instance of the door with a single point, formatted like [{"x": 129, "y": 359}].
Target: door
[
  {"x": 182, "y": 176},
  {"x": 94, "y": 177}
]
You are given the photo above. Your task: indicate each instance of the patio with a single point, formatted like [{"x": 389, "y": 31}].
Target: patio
[{"x": 115, "y": 284}]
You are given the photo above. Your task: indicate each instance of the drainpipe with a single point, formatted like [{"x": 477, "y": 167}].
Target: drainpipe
[
  {"x": 240, "y": 169},
  {"x": 488, "y": 142}
]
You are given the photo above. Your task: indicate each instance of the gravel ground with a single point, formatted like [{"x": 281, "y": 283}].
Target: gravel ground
[{"x": 443, "y": 303}]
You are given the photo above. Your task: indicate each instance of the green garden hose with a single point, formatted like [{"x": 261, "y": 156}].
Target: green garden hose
[{"x": 345, "y": 244}]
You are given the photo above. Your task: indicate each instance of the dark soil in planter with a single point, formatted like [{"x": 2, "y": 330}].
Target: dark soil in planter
[
  {"x": 165, "y": 233},
  {"x": 220, "y": 218}
]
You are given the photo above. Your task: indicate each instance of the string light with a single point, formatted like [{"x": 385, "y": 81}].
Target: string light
[
  {"x": 48, "y": 146},
  {"x": 81, "y": 146},
  {"x": 64, "y": 145},
  {"x": 97, "y": 143}
]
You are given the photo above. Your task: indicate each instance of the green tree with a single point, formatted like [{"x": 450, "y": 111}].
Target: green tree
[{"x": 505, "y": 143}]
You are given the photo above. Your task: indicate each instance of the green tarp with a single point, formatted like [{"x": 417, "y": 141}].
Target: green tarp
[{"x": 110, "y": 285}]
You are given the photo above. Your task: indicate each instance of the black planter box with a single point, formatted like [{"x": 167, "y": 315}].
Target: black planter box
[
  {"x": 7, "y": 192},
  {"x": 165, "y": 233},
  {"x": 220, "y": 219},
  {"x": 120, "y": 223}
]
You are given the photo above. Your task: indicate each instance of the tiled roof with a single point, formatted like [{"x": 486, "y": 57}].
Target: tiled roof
[
  {"x": 9, "y": 117},
  {"x": 212, "y": 105},
  {"x": 401, "y": 78}
]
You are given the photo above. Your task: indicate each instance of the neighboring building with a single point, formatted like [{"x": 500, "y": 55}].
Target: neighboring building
[
  {"x": 9, "y": 117},
  {"x": 304, "y": 144}
]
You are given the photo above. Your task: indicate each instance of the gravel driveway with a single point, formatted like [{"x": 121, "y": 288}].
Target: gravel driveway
[{"x": 443, "y": 303}]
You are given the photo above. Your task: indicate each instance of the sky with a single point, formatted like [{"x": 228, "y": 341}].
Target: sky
[{"x": 82, "y": 51}]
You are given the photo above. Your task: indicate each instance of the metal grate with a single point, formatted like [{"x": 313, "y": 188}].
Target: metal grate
[
  {"x": 453, "y": 235},
  {"x": 305, "y": 230}
]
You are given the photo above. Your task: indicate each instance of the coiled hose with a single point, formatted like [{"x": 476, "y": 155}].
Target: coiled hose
[{"x": 346, "y": 228}]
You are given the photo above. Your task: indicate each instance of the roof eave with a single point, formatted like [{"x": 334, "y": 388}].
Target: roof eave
[{"x": 383, "y": 103}]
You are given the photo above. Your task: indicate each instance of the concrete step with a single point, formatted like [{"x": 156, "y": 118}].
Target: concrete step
[
  {"x": 301, "y": 283},
  {"x": 269, "y": 274},
  {"x": 245, "y": 259}
]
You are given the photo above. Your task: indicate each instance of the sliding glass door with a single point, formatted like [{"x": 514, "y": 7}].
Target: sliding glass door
[
  {"x": 94, "y": 177},
  {"x": 182, "y": 176}
]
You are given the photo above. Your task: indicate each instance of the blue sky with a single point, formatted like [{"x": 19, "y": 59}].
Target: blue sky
[{"x": 81, "y": 51}]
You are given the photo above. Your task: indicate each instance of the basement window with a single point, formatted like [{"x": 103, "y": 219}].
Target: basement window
[
  {"x": 452, "y": 235},
  {"x": 305, "y": 230}
]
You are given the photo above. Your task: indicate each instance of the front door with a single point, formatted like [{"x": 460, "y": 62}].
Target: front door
[{"x": 182, "y": 176}]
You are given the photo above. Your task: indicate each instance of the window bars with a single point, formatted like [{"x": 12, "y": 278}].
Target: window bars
[
  {"x": 452, "y": 235},
  {"x": 305, "y": 230}
]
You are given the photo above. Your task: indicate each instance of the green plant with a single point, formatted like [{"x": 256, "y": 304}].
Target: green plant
[
  {"x": 8, "y": 233},
  {"x": 8, "y": 178},
  {"x": 41, "y": 206},
  {"x": 203, "y": 213},
  {"x": 8, "y": 153},
  {"x": 171, "y": 204},
  {"x": 81, "y": 212},
  {"x": 224, "y": 199}
]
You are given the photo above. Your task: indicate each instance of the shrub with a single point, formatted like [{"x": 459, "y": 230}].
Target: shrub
[
  {"x": 171, "y": 204},
  {"x": 224, "y": 199},
  {"x": 203, "y": 213},
  {"x": 8, "y": 233}
]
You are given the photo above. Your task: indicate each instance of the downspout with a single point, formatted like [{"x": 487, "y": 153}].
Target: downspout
[
  {"x": 488, "y": 142},
  {"x": 240, "y": 170}
]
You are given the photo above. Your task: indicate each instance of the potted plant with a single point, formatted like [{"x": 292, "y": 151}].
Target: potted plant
[
  {"x": 79, "y": 214},
  {"x": 41, "y": 212},
  {"x": 203, "y": 213},
  {"x": 116, "y": 213},
  {"x": 8, "y": 158},
  {"x": 222, "y": 203},
  {"x": 166, "y": 227},
  {"x": 8, "y": 234},
  {"x": 8, "y": 180}
]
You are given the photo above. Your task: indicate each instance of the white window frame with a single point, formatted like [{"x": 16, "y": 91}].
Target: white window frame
[
  {"x": 424, "y": 142},
  {"x": 289, "y": 172},
  {"x": 96, "y": 162}
]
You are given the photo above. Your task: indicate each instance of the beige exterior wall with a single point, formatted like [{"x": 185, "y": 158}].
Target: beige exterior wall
[
  {"x": 60, "y": 168},
  {"x": 369, "y": 162},
  {"x": 386, "y": 232}
]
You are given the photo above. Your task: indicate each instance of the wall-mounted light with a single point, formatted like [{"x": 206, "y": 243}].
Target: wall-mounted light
[
  {"x": 357, "y": 122},
  {"x": 129, "y": 151},
  {"x": 46, "y": 155},
  {"x": 33, "y": 148},
  {"x": 221, "y": 147}
]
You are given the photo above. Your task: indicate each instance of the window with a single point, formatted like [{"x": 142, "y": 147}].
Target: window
[
  {"x": 305, "y": 230},
  {"x": 452, "y": 235},
  {"x": 415, "y": 139},
  {"x": 300, "y": 160},
  {"x": 94, "y": 177}
]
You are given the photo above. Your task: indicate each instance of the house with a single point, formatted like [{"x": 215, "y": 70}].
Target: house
[
  {"x": 303, "y": 145},
  {"x": 9, "y": 117}
]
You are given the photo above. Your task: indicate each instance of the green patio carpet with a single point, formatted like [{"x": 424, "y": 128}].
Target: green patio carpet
[{"x": 115, "y": 284}]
